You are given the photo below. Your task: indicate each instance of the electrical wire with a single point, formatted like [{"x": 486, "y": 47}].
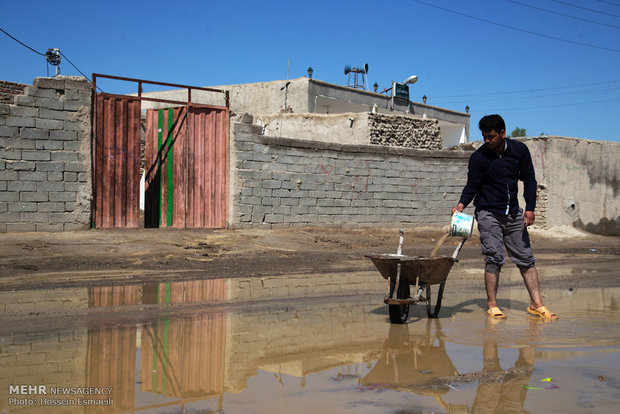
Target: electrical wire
[
  {"x": 590, "y": 91},
  {"x": 528, "y": 90},
  {"x": 64, "y": 56},
  {"x": 517, "y": 28},
  {"x": 563, "y": 14},
  {"x": 553, "y": 106},
  {"x": 22, "y": 43},
  {"x": 43, "y": 54},
  {"x": 609, "y": 2},
  {"x": 76, "y": 68},
  {"x": 585, "y": 8}
]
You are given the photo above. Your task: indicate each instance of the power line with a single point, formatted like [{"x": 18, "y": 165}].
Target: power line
[
  {"x": 558, "y": 105},
  {"x": 563, "y": 14},
  {"x": 64, "y": 56},
  {"x": 530, "y": 97},
  {"x": 585, "y": 8},
  {"x": 609, "y": 2},
  {"x": 517, "y": 28},
  {"x": 22, "y": 43},
  {"x": 43, "y": 54},
  {"x": 527, "y": 90},
  {"x": 76, "y": 68}
]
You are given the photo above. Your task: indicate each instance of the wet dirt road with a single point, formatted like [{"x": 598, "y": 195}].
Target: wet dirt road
[{"x": 312, "y": 340}]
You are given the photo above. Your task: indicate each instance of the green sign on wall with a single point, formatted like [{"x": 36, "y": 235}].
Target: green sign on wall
[{"x": 400, "y": 90}]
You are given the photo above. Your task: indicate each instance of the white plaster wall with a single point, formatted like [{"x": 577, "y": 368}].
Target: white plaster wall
[
  {"x": 582, "y": 178},
  {"x": 345, "y": 128}
]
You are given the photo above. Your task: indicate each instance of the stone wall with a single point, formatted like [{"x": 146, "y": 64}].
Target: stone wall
[
  {"x": 404, "y": 131},
  {"x": 289, "y": 182},
  {"x": 356, "y": 128},
  {"x": 45, "y": 165}
]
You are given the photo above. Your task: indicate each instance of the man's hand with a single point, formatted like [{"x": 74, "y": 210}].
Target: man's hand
[
  {"x": 528, "y": 218},
  {"x": 459, "y": 207}
]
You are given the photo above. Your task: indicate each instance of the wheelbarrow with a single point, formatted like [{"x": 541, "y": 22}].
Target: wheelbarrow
[{"x": 420, "y": 271}]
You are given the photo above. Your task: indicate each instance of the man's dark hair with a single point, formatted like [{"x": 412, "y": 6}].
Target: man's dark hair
[{"x": 492, "y": 122}]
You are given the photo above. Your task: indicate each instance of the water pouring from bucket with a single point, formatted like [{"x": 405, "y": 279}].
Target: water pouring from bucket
[{"x": 461, "y": 225}]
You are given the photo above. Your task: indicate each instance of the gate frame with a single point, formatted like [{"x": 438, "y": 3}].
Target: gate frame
[{"x": 188, "y": 103}]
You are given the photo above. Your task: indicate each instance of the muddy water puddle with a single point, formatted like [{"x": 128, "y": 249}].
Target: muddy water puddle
[{"x": 331, "y": 354}]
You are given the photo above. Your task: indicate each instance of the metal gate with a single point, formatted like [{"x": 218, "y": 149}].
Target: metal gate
[
  {"x": 116, "y": 161},
  {"x": 186, "y": 165}
]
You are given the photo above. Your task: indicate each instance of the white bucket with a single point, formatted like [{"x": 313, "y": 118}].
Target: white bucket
[{"x": 461, "y": 224}]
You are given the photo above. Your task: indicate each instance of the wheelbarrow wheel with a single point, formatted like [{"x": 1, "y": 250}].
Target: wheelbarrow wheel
[{"x": 400, "y": 313}]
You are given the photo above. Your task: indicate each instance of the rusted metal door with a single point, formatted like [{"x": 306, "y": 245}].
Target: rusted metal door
[
  {"x": 186, "y": 152},
  {"x": 116, "y": 161},
  {"x": 186, "y": 161}
]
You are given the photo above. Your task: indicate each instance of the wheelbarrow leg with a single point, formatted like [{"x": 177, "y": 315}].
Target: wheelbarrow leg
[
  {"x": 429, "y": 312},
  {"x": 399, "y": 289}
]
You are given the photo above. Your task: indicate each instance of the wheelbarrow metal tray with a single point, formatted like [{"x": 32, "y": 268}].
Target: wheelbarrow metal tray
[{"x": 429, "y": 270}]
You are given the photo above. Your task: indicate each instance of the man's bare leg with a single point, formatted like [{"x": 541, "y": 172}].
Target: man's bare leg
[
  {"x": 491, "y": 282},
  {"x": 530, "y": 277}
]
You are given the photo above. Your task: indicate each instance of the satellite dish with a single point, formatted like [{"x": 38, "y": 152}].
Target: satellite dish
[{"x": 411, "y": 79}]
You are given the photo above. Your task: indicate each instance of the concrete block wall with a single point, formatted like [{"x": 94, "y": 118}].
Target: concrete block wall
[
  {"x": 304, "y": 285},
  {"x": 290, "y": 182},
  {"x": 43, "y": 302},
  {"x": 301, "y": 341},
  {"x": 45, "y": 166},
  {"x": 50, "y": 358}
]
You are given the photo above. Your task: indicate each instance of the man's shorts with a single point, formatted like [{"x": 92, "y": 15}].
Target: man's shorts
[{"x": 497, "y": 231}]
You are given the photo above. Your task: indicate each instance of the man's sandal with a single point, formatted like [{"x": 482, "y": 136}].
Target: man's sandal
[
  {"x": 495, "y": 313},
  {"x": 542, "y": 312}
]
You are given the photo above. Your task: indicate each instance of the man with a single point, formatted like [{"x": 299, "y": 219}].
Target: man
[{"x": 493, "y": 172}]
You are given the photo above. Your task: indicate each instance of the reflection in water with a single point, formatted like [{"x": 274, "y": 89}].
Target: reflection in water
[
  {"x": 180, "y": 359},
  {"x": 314, "y": 355},
  {"x": 419, "y": 363},
  {"x": 501, "y": 391},
  {"x": 410, "y": 360}
]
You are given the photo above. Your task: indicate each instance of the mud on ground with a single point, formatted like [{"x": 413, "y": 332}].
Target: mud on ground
[{"x": 116, "y": 257}]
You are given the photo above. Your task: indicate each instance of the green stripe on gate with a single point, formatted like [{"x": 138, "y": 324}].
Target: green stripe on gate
[{"x": 170, "y": 188}]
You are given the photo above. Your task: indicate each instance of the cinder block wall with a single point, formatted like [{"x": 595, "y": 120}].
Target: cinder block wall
[
  {"x": 289, "y": 182},
  {"x": 45, "y": 173}
]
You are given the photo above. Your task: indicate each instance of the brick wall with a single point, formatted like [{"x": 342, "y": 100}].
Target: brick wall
[
  {"x": 288, "y": 182},
  {"x": 45, "y": 157},
  {"x": 8, "y": 90}
]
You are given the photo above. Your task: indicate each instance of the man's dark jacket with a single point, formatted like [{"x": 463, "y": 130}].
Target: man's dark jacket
[{"x": 492, "y": 179}]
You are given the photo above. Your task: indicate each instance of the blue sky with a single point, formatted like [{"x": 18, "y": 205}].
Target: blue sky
[{"x": 527, "y": 60}]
